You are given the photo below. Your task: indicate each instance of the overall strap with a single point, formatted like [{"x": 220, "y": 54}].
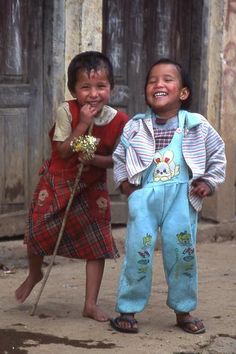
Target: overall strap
[{"x": 182, "y": 116}]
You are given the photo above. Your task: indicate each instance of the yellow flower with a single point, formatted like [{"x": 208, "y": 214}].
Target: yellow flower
[{"x": 86, "y": 144}]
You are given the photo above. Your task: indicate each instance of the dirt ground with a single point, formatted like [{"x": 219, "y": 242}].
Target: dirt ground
[{"x": 58, "y": 326}]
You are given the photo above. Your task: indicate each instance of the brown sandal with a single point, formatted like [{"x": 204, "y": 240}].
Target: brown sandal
[
  {"x": 116, "y": 324},
  {"x": 184, "y": 325}
]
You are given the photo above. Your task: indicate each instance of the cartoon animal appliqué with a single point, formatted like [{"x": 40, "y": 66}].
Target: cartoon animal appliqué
[{"x": 166, "y": 168}]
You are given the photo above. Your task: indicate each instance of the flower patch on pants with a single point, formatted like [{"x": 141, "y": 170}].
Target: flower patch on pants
[
  {"x": 185, "y": 256},
  {"x": 144, "y": 257}
]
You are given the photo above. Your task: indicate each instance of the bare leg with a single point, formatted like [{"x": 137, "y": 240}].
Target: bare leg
[
  {"x": 94, "y": 274},
  {"x": 34, "y": 276}
]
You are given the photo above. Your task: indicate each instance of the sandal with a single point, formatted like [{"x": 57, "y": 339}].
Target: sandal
[
  {"x": 116, "y": 324},
  {"x": 184, "y": 324}
]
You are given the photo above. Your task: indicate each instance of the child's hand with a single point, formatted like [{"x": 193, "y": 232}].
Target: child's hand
[
  {"x": 200, "y": 188},
  {"x": 85, "y": 161},
  {"x": 127, "y": 188},
  {"x": 87, "y": 113}
]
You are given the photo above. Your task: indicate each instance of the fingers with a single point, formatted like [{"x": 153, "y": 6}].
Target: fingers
[
  {"x": 89, "y": 109},
  {"x": 87, "y": 113},
  {"x": 201, "y": 189}
]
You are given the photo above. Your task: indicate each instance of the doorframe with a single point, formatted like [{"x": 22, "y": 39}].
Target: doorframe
[{"x": 53, "y": 64}]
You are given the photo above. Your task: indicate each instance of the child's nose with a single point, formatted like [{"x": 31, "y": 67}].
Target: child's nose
[
  {"x": 93, "y": 92},
  {"x": 159, "y": 83}
]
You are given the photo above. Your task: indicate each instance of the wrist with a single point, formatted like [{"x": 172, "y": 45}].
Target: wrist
[
  {"x": 83, "y": 127},
  {"x": 124, "y": 186}
]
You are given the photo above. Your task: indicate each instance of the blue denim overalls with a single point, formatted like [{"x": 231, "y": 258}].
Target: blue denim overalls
[{"x": 162, "y": 203}]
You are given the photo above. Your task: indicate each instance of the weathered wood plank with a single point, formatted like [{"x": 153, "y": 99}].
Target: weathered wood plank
[
  {"x": 12, "y": 224},
  {"x": 21, "y": 109},
  {"x": 15, "y": 95},
  {"x": 15, "y": 153}
]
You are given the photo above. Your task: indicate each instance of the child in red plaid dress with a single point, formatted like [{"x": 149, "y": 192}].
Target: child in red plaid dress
[{"x": 87, "y": 233}]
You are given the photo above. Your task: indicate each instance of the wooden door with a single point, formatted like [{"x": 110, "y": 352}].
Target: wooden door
[
  {"x": 21, "y": 107},
  {"x": 136, "y": 34}
]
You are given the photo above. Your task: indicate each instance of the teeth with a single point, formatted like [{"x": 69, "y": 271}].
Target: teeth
[{"x": 158, "y": 94}]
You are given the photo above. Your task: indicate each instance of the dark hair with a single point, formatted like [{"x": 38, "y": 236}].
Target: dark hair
[
  {"x": 88, "y": 61},
  {"x": 186, "y": 82}
]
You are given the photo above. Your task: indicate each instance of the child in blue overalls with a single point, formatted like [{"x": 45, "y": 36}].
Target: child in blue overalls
[{"x": 167, "y": 161}]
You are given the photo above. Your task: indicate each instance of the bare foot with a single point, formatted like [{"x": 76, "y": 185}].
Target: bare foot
[
  {"x": 95, "y": 313},
  {"x": 27, "y": 286}
]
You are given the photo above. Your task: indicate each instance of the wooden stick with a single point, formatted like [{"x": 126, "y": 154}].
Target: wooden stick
[{"x": 61, "y": 231}]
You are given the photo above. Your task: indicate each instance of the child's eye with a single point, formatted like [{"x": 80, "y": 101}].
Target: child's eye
[
  {"x": 102, "y": 85},
  {"x": 168, "y": 79}
]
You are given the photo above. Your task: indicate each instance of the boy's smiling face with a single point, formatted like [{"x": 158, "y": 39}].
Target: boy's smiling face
[
  {"x": 92, "y": 88},
  {"x": 164, "y": 91}
]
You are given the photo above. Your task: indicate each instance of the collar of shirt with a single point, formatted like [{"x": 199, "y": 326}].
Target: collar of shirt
[{"x": 106, "y": 116}]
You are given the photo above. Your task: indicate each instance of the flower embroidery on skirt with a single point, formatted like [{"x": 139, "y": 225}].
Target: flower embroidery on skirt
[
  {"x": 102, "y": 204},
  {"x": 43, "y": 195}
]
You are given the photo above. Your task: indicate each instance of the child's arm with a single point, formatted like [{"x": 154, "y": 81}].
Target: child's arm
[
  {"x": 215, "y": 164},
  {"x": 98, "y": 161},
  {"x": 120, "y": 172},
  {"x": 215, "y": 159},
  {"x": 87, "y": 113},
  {"x": 127, "y": 188},
  {"x": 120, "y": 168}
]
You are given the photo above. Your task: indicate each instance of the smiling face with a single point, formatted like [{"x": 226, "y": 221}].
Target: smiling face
[
  {"x": 164, "y": 90},
  {"x": 92, "y": 88}
]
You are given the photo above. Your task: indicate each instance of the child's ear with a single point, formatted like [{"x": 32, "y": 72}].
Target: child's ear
[{"x": 184, "y": 94}]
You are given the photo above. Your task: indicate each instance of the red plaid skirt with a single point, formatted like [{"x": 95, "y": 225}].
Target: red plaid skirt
[{"x": 87, "y": 234}]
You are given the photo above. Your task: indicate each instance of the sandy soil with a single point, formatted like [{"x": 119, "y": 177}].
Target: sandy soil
[{"x": 58, "y": 326}]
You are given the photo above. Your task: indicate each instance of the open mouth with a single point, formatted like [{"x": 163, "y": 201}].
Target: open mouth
[{"x": 160, "y": 94}]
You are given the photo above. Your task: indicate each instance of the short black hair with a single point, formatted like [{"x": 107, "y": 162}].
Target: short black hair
[
  {"x": 186, "y": 81},
  {"x": 87, "y": 61}
]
